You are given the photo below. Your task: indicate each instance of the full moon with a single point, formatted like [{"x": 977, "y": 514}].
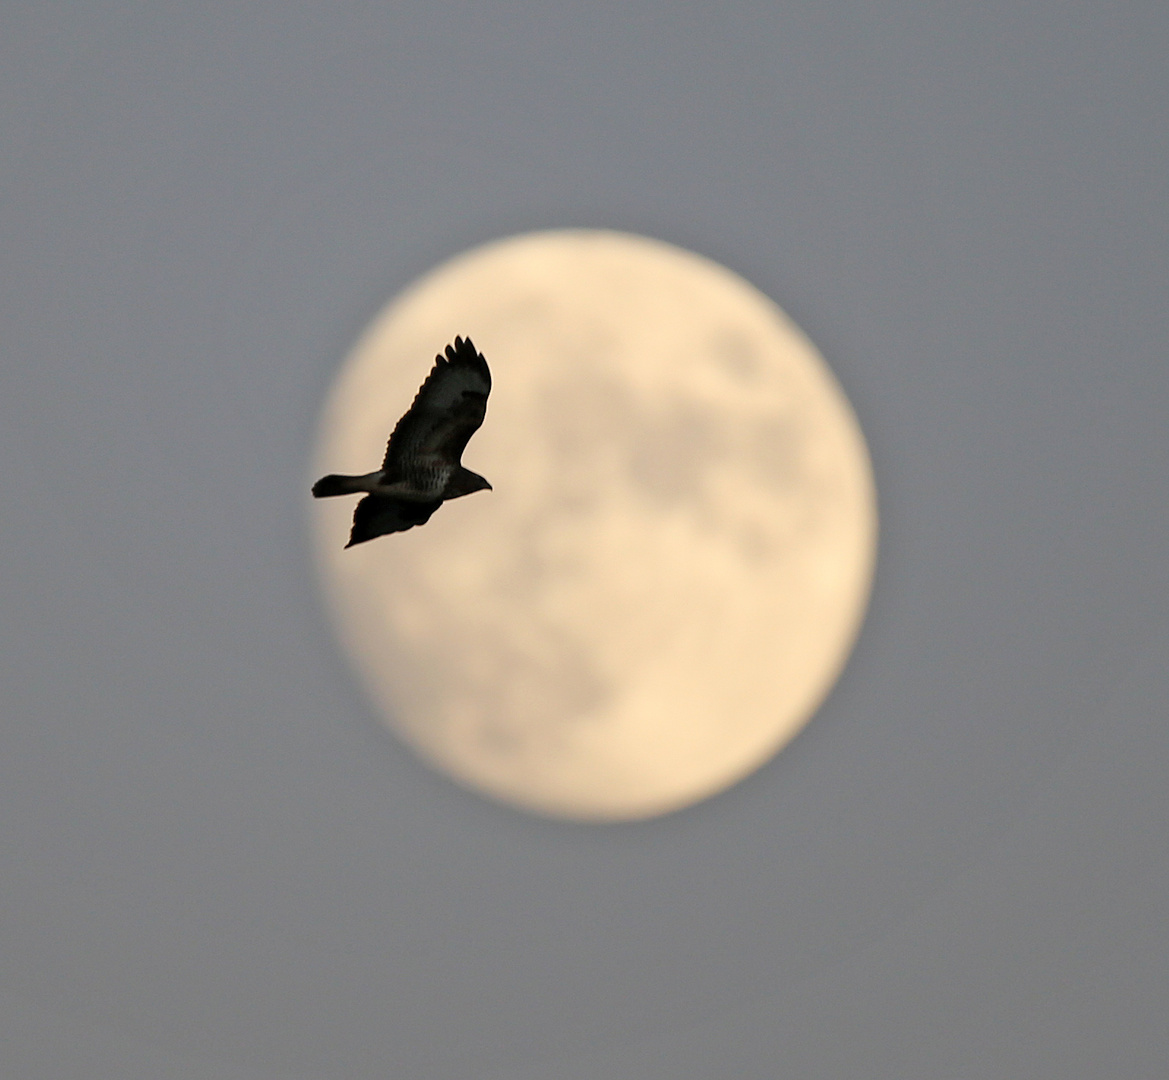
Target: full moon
[{"x": 677, "y": 554}]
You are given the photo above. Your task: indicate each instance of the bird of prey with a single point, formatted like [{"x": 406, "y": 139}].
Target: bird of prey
[{"x": 422, "y": 467}]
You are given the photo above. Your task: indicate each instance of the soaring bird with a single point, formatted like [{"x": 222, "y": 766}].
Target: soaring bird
[{"x": 422, "y": 468}]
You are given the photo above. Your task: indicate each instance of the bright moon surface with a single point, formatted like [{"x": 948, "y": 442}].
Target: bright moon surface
[{"x": 677, "y": 554}]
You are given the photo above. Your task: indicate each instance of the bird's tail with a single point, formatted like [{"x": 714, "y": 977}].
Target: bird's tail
[{"x": 335, "y": 484}]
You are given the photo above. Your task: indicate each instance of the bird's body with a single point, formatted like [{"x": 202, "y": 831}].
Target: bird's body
[{"x": 422, "y": 467}]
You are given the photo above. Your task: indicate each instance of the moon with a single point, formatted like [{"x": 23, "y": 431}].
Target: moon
[{"x": 676, "y": 557}]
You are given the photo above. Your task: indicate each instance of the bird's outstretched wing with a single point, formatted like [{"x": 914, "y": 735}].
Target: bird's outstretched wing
[
  {"x": 447, "y": 411},
  {"x": 377, "y": 515}
]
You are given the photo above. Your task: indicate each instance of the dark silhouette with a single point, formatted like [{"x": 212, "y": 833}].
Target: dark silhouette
[{"x": 422, "y": 467}]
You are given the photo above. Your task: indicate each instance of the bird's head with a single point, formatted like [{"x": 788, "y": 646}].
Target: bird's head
[{"x": 464, "y": 482}]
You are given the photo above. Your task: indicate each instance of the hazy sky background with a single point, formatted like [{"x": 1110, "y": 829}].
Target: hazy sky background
[{"x": 214, "y": 862}]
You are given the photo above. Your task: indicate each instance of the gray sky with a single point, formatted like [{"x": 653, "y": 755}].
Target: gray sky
[{"x": 214, "y": 863}]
